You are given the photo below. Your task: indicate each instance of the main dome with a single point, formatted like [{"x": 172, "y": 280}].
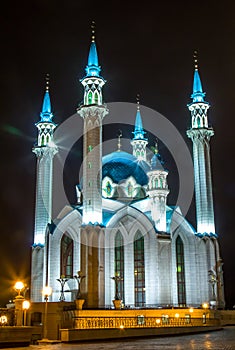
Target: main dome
[{"x": 120, "y": 165}]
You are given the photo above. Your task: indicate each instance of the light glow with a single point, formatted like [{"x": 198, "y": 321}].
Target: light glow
[
  {"x": 19, "y": 286},
  {"x": 205, "y": 305},
  {"x": 26, "y": 305},
  {"x": 3, "y": 320},
  {"x": 47, "y": 291}
]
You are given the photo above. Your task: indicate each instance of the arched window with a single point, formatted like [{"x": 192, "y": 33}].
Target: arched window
[
  {"x": 47, "y": 139},
  {"x": 42, "y": 140},
  {"x": 119, "y": 263},
  {"x": 96, "y": 97},
  {"x": 66, "y": 256},
  {"x": 139, "y": 270},
  {"x": 89, "y": 98},
  {"x": 180, "y": 268}
]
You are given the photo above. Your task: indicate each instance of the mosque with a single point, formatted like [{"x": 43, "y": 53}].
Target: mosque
[{"x": 122, "y": 227}]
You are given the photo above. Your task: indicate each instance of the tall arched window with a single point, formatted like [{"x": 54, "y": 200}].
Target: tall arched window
[
  {"x": 139, "y": 270},
  {"x": 66, "y": 256},
  {"x": 47, "y": 139},
  {"x": 96, "y": 97},
  {"x": 119, "y": 263},
  {"x": 90, "y": 98},
  {"x": 42, "y": 140},
  {"x": 180, "y": 268}
]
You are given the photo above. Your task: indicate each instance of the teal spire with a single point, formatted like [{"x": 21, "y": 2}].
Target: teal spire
[
  {"x": 46, "y": 113},
  {"x": 156, "y": 161},
  {"x": 93, "y": 68},
  {"x": 198, "y": 94},
  {"x": 139, "y": 131}
]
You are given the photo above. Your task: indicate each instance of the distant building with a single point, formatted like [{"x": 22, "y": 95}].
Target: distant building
[{"x": 130, "y": 231}]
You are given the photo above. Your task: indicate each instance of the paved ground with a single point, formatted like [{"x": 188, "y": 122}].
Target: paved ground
[{"x": 219, "y": 340}]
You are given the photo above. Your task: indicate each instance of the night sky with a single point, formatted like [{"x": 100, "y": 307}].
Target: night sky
[{"x": 146, "y": 49}]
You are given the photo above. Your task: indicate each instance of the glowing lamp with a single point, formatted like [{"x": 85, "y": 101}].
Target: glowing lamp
[
  {"x": 191, "y": 309},
  {"x": 177, "y": 315},
  {"x": 3, "y": 320},
  {"x": 26, "y": 305},
  {"x": 47, "y": 291},
  {"x": 18, "y": 287},
  {"x": 205, "y": 305}
]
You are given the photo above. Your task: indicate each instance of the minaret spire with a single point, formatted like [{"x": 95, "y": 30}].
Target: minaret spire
[
  {"x": 93, "y": 68},
  {"x": 200, "y": 133},
  {"x": 46, "y": 113},
  {"x": 93, "y": 31},
  {"x": 139, "y": 142},
  {"x": 158, "y": 190},
  {"x": 198, "y": 94},
  {"x": 92, "y": 111},
  {"x": 45, "y": 149}
]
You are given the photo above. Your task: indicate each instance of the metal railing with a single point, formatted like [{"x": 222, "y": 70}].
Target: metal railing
[{"x": 140, "y": 322}]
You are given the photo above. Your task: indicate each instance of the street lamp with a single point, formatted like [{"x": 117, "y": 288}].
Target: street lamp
[
  {"x": 19, "y": 286},
  {"x": 62, "y": 281},
  {"x": 46, "y": 292},
  {"x": 205, "y": 307},
  {"x": 26, "y": 306}
]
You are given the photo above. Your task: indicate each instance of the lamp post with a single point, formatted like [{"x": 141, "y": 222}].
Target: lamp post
[
  {"x": 19, "y": 286},
  {"x": 79, "y": 277},
  {"x": 117, "y": 279},
  {"x": 205, "y": 307},
  {"x": 47, "y": 291},
  {"x": 79, "y": 301},
  {"x": 62, "y": 281},
  {"x": 26, "y": 306},
  {"x": 117, "y": 298}
]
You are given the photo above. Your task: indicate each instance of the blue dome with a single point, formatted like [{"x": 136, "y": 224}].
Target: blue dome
[{"x": 120, "y": 165}]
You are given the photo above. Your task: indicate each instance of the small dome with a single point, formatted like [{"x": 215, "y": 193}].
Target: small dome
[{"x": 121, "y": 165}]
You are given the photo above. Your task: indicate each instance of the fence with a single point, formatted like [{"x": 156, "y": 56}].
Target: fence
[{"x": 140, "y": 322}]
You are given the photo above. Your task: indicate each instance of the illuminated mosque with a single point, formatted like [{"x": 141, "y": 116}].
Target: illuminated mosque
[{"x": 130, "y": 231}]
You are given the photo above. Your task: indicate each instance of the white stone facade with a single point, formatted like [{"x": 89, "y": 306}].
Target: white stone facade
[{"x": 159, "y": 258}]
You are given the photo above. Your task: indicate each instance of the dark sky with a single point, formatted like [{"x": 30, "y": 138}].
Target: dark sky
[{"x": 145, "y": 49}]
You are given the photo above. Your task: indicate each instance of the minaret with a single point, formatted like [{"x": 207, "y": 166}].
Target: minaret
[
  {"x": 139, "y": 142},
  {"x": 200, "y": 134},
  {"x": 92, "y": 111},
  {"x": 45, "y": 149},
  {"x": 158, "y": 191}
]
